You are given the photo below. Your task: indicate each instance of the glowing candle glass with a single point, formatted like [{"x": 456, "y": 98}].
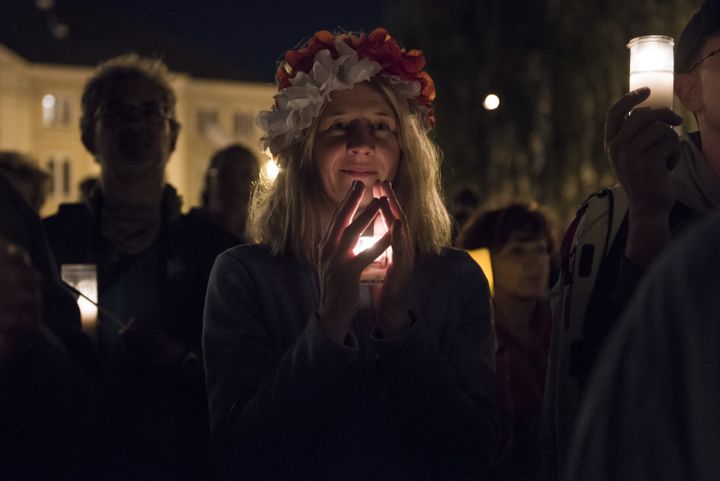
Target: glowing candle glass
[
  {"x": 83, "y": 277},
  {"x": 375, "y": 272},
  {"x": 652, "y": 65},
  {"x": 482, "y": 257}
]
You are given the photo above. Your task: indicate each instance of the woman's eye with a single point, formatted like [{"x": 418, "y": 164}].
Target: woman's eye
[
  {"x": 381, "y": 126},
  {"x": 339, "y": 126}
]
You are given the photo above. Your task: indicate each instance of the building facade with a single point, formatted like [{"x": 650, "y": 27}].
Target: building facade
[{"x": 40, "y": 116}]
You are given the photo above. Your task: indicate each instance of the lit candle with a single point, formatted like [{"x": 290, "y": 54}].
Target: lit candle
[
  {"x": 652, "y": 65},
  {"x": 83, "y": 277},
  {"x": 374, "y": 273}
]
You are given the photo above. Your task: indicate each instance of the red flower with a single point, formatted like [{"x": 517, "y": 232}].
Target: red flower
[
  {"x": 377, "y": 46},
  {"x": 302, "y": 60}
]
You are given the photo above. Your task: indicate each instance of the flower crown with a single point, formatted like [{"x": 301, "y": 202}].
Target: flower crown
[{"x": 331, "y": 62}]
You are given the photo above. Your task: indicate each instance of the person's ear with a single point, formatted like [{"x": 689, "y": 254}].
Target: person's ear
[{"x": 688, "y": 90}]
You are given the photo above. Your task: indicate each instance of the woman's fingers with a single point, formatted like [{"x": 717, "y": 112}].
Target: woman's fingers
[
  {"x": 377, "y": 189},
  {"x": 350, "y": 235},
  {"x": 388, "y": 216},
  {"x": 346, "y": 211},
  {"x": 388, "y": 192},
  {"x": 341, "y": 218},
  {"x": 366, "y": 257}
]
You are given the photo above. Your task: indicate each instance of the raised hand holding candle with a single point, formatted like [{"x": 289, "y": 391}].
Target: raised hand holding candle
[{"x": 652, "y": 65}]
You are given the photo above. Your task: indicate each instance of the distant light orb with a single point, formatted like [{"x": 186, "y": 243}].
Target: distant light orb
[
  {"x": 48, "y": 101},
  {"x": 45, "y": 5},
  {"x": 60, "y": 31},
  {"x": 491, "y": 102},
  {"x": 271, "y": 169}
]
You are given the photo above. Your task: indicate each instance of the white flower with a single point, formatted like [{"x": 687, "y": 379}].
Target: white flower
[{"x": 299, "y": 104}]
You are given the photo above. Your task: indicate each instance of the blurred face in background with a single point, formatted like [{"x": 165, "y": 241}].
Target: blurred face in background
[
  {"x": 228, "y": 191},
  {"x": 521, "y": 268},
  {"x": 229, "y": 187},
  {"x": 132, "y": 134}
]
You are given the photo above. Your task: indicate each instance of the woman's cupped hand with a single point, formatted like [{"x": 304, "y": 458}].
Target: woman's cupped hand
[{"x": 340, "y": 268}]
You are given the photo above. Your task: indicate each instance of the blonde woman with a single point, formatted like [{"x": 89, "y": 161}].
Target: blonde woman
[{"x": 313, "y": 374}]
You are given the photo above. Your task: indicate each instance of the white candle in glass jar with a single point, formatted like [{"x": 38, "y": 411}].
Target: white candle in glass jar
[
  {"x": 83, "y": 277},
  {"x": 652, "y": 65}
]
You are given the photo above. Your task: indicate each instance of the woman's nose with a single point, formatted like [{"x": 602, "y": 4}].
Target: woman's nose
[{"x": 360, "y": 140}]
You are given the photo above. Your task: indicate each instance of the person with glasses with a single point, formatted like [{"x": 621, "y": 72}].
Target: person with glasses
[
  {"x": 666, "y": 183},
  {"x": 152, "y": 266}
]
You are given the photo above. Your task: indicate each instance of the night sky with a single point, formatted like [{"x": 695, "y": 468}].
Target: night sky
[{"x": 253, "y": 34}]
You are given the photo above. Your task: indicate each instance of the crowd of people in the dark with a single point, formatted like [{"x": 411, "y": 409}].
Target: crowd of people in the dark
[{"x": 254, "y": 338}]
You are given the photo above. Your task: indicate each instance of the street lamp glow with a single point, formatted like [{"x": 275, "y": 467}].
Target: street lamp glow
[{"x": 491, "y": 102}]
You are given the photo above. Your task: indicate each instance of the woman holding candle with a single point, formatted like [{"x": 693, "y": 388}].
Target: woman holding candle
[{"x": 310, "y": 373}]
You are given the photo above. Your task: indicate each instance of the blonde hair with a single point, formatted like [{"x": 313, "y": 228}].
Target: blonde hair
[{"x": 286, "y": 213}]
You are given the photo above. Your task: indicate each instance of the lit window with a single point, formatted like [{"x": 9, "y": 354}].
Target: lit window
[
  {"x": 51, "y": 169},
  {"x": 206, "y": 120},
  {"x": 243, "y": 124},
  {"x": 55, "y": 110},
  {"x": 66, "y": 177},
  {"x": 60, "y": 176}
]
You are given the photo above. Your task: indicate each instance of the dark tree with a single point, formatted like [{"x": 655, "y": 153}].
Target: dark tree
[{"x": 557, "y": 65}]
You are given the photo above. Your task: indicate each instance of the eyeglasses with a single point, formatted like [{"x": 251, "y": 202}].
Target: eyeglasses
[
  {"x": 712, "y": 53},
  {"x": 116, "y": 113}
]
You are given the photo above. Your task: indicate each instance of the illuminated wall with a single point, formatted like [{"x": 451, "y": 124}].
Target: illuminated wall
[{"x": 40, "y": 114}]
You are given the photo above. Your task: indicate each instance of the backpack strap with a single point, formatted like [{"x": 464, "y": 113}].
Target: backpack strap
[{"x": 584, "y": 247}]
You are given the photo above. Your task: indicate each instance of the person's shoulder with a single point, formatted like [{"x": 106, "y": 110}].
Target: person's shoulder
[
  {"x": 252, "y": 256},
  {"x": 70, "y": 211},
  {"x": 455, "y": 256},
  {"x": 74, "y": 221},
  {"x": 197, "y": 231},
  {"x": 696, "y": 248},
  {"x": 451, "y": 261}
]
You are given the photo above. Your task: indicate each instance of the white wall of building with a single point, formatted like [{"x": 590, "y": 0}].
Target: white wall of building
[{"x": 212, "y": 113}]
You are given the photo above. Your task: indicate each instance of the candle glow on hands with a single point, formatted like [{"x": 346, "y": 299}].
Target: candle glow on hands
[
  {"x": 365, "y": 242},
  {"x": 374, "y": 273}
]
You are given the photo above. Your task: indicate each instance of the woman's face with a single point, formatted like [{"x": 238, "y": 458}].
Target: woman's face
[
  {"x": 522, "y": 267},
  {"x": 357, "y": 139}
]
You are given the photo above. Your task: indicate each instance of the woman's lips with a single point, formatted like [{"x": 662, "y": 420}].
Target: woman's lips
[{"x": 359, "y": 172}]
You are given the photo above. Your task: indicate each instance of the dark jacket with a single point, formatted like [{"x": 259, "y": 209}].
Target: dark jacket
[
  {"x": 48, "y": 394},
  {"x": 286, "y": 402},
  {"x": 156, "y": 416}
]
